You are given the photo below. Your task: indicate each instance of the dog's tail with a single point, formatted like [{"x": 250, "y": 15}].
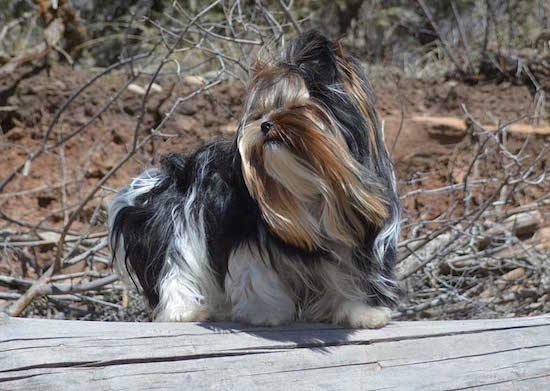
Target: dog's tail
[{"x": 128, "y": 223}]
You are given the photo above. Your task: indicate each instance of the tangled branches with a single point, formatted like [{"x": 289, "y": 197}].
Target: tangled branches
[
  {"x": 169, "y": 90},
  {"x": 198, "y": 51},
  {"x": 490, "y": 247}
]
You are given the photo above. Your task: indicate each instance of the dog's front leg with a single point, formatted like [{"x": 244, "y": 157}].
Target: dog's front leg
[
  {"x": 344, "y": 302},
  {"x": 257, "y": 294}
]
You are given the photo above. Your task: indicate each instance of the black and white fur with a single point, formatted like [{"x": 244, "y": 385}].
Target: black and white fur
[{"x": 196, "y": 239}]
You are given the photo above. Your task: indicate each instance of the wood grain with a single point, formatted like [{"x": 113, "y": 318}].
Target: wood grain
[{"x": 438, "y": 355}]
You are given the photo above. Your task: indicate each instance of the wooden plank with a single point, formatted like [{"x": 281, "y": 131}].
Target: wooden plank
[
  {"x": 354, "y": 367},
  {"x": 39, "y": 329},
  {"x": 109, "y": 341},
  {"x": 404, "y": 355}
]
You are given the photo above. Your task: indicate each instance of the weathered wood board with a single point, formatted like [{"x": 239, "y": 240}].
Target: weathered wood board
[{"x": 501, "y": 354}]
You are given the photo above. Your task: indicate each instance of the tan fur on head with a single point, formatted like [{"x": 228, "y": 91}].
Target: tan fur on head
[{"x": 301, "y": 172}]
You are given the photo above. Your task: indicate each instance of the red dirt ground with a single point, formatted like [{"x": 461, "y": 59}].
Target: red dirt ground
[
  {"x": 37, "y": 197},
  {"x": 424, "y": 159}
]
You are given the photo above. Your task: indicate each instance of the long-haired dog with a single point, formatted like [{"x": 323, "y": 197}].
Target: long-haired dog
[{"x": 294, "y": 218}]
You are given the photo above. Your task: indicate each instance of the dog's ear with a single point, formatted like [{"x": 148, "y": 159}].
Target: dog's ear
[
  {"x": 314, "y": 56},
  {"x": 338, "y": 48},
  {"x": 354, "y": 82}
]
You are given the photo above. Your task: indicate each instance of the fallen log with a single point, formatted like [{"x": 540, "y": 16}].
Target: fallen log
[
  {"x": 457, "y": 127},
  {"x": 425, "y": 355}
]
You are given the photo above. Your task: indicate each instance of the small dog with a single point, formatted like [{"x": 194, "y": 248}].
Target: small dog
[{"x": 295, "y": 218}]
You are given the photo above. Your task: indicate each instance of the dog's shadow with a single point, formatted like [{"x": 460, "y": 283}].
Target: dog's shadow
[{"x": 314, "y": 336}]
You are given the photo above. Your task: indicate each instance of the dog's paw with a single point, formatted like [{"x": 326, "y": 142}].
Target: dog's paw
[
  {"x": 361, "y": 316},
  {"x": 182, "y": 314},
  {"x": 262, "y": 319},
  {"x": 259, "y": 313}
]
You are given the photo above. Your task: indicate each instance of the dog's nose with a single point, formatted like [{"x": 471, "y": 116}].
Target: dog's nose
[{"x": 266, "y": 126}]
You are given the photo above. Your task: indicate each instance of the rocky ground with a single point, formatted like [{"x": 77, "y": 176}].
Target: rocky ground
[{"x": 427, "y": 156}]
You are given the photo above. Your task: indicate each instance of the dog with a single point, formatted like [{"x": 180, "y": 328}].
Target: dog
[{"x": 295, "y": 218}]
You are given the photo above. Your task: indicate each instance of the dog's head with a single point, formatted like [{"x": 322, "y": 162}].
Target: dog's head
[{"x": 312, "y": 153}]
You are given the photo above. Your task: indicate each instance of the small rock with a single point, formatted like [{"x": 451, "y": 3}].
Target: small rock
[
  {"x": 156, "y": 88},
  {"x": 195, "y": 81},
  {"x": 515, "y": 274},
  {"x": 187, "y": 108},
  {"x": 60, "y": 85},
  {"x": 542, "y": 238},
  {"x": 136, "y": 89}
]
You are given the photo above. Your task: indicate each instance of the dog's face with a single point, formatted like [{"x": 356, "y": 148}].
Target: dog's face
[{"x": 296, "y": 143}]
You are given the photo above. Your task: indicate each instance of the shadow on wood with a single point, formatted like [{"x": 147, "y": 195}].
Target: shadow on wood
[{"x": 437, "y": 355}]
